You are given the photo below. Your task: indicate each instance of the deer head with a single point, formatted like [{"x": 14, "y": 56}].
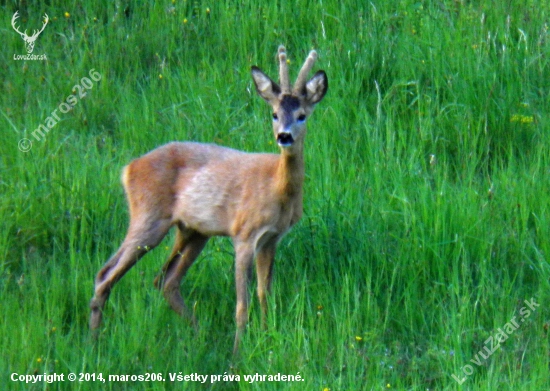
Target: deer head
[
  {"x": 29, "y": 41},
  {"x": 291, "y": 106}
]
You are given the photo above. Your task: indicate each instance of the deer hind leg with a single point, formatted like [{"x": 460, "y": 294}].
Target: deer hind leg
[
  {"x": 141, "y": 237},
  {"x": 187, "y": 247},
  {"x": 264, "y": 273}
]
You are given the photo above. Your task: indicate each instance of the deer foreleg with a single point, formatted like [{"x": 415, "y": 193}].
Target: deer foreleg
[
  {"x": 243, "y": 268},
  {"x": 264, "y": 273}
]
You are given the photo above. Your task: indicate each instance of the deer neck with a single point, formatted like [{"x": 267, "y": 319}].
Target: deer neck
[{"x": 290, "y": 173}]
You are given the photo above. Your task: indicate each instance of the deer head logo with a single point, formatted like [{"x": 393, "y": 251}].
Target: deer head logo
[{"x": 29, "y": 40}]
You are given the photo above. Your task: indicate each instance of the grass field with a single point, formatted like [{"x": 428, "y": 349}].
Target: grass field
[{"x": 421, "y": 262}]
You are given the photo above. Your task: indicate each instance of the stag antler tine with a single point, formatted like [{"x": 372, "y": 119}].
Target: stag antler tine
[
  {"x": 306, "y": 68},
  {"x": 15, "y": 16},
  {"x": 283, "y": 71},
  {"x": 44, "y": 23}
]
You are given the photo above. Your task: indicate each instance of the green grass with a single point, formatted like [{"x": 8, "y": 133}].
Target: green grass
[{"x": 426, "y": 210}]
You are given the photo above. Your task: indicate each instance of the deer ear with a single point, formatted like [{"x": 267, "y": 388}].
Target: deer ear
[
  {"x": 316, "y": 87},
  {"x": 267, "y": 88}
]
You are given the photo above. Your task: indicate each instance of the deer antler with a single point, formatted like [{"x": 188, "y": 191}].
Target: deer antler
[
  {"x": 15, "y": 16},
  {"x": 44, "y": 23},
  {"x": 283, "y": 71},
  {"x": 36, "y": 32},
  {"x": 302, "y": 76},
  {"x": 306, "y": 68}
]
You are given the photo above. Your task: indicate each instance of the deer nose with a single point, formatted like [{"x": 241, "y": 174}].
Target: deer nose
[{"x": 285, "y": 139}]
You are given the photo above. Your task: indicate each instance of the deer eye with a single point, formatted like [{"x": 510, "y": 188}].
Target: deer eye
[
  {"x": 275, "y": 117},
  {"x": 302, "y": 117}
]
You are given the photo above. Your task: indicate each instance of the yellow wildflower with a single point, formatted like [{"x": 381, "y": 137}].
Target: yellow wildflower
[{"x": 524, "y": 119}]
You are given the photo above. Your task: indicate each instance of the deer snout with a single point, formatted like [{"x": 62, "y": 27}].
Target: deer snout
[
  {"x": 285, "y": 138},
  {"x": 283, "y": 130},
  {"x": 289, "y": 130}
]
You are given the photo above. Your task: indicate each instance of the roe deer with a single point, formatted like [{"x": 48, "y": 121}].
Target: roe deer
[{"x": 208, "y": 190}]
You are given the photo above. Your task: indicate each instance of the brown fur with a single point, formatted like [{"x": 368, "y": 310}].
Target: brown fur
[{"x": 206, "y": 190}]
